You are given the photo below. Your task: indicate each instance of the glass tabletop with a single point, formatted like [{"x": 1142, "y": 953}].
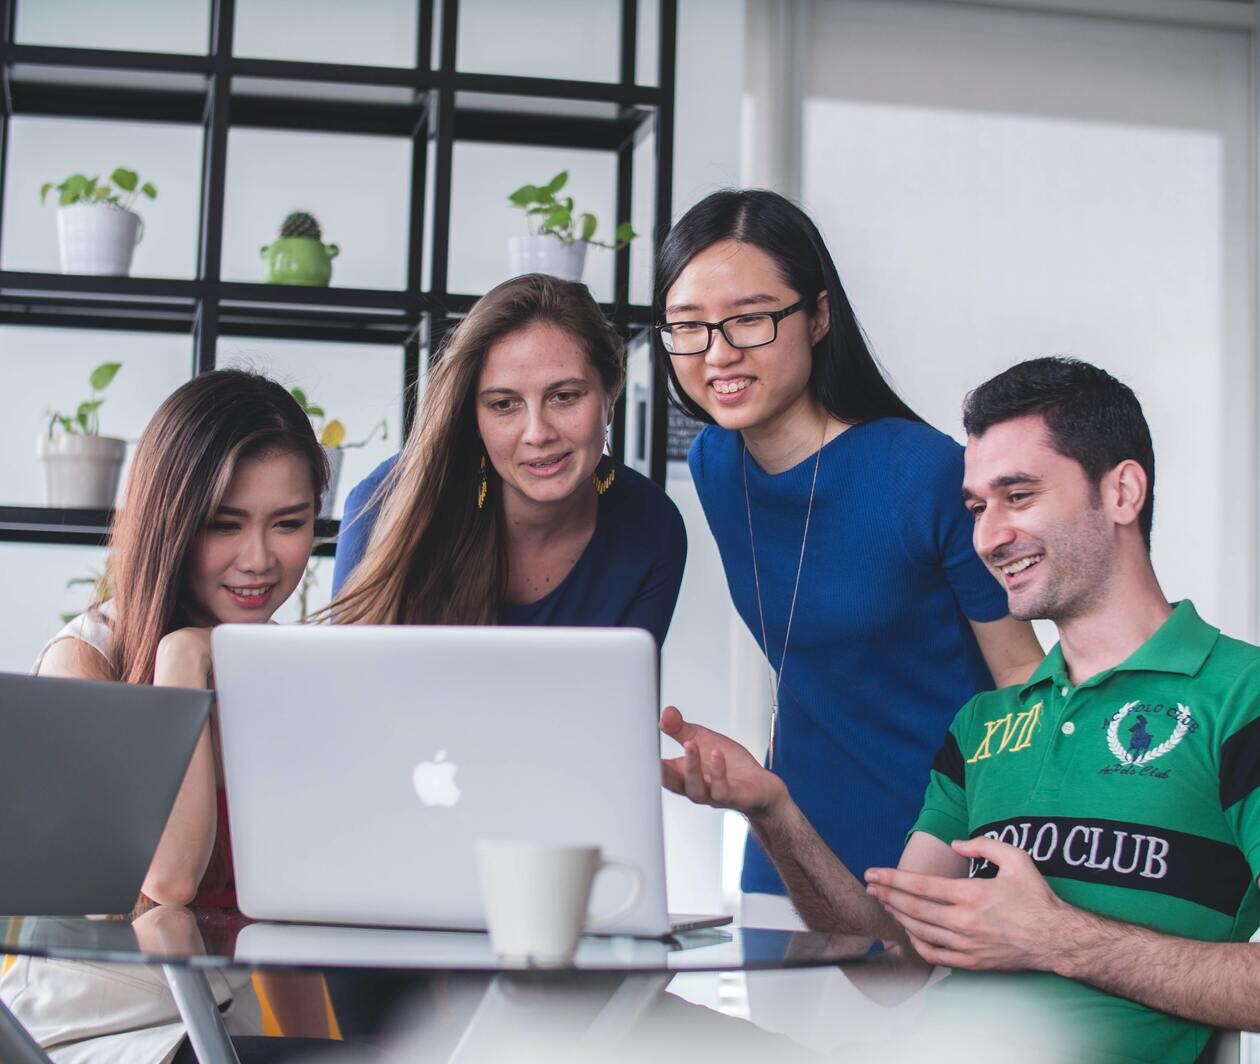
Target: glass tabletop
[{"x": 213, "y": 938}]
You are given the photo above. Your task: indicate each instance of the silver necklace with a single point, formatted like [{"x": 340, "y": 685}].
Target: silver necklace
[{"x": 777, "y": 681}]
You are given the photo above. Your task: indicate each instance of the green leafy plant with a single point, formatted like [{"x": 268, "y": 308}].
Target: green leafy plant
[
  {"x": 85, "y": 421},
  {"x": 549, "y": 214},
  {"x": 332, "y": 433},
  {"x": 120, "y": 190}
]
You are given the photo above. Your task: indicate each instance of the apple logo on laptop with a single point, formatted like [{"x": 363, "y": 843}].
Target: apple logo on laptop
[{"x": 434, "y": 781}]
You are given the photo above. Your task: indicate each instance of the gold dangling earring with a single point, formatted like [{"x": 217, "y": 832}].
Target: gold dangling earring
[
  {"x": 604, "y": 475},
  {"x": 483, "y": 485}
]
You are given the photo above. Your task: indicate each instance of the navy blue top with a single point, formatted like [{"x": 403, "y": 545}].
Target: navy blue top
[
  {"x": 881, "y": 654},
  {"x": 627, "y": 577}
]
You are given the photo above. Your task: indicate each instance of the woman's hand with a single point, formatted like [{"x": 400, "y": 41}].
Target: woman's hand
[
  {"x": 717, "y": 771},
  {"x": 183, "y": 659}
]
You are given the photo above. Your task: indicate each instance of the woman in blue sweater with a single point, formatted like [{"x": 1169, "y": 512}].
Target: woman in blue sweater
[
  {"x": 837, "y": 513},
  {"x": 503, "y": 508}
]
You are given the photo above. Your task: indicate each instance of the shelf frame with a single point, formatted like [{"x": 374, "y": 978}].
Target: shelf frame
[{"x": 432, "y": 106}]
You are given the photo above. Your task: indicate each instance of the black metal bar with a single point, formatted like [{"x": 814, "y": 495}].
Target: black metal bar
[
  {"x": 112, "y": 103},
  {"x": 559, "y": 131},
  {"x": 663, "y": 213},
  {"x": 413, "y": 345},
  {"x": 104, "y": 59},
  {"x": 557, "y": 88},
  {"x": 326, "y": 116},
  {"x": 424, "y": 41},
  {"x": 629, "y": 40},
  {"x": 444, "y": 145},
  {"x": 88, "y": 284},
  {"x": 214, "y": 181}
]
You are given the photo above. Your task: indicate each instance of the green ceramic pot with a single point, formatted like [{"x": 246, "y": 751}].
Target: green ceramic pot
[{"x": 299, "y": 260}]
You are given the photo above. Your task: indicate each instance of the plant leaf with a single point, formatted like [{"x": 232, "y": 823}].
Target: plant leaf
[
  {"x": 560, "y": 218},
  {"x": 333, "y": 434},
  {"x": 589, "y": 223},
  {"x": 103, "y": 374},
  {"x": 315, "y": 411},
  {"x": 125, "y": 179},
  {"x": 43, "y": 190},
  {"x": 558, "y": 182},
  {"x": 625, "y": 233},
  {"x": 525, "y": 195},
  {"x": 149, "y": 190},
  {"x": 300, "y": 396}
]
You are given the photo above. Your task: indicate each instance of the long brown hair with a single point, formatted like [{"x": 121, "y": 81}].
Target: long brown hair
[
  {"x": 181, "y": 470},
  {"x": 434, "y": 557}
]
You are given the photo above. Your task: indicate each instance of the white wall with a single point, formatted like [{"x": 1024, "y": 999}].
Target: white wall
[{"x": 999, "y": 185}]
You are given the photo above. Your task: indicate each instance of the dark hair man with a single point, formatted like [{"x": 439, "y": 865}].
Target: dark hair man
[{"x": 1099, "y": 823}]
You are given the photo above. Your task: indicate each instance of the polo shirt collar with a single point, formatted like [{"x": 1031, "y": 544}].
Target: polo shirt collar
[{"x": 1180, "y": 645}]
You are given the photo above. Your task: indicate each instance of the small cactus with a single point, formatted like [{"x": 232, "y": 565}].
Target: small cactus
[{"x": 299, "y": 223}]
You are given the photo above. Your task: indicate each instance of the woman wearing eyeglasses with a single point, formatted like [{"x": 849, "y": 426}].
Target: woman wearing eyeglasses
[{"x": 836, "y": 510}]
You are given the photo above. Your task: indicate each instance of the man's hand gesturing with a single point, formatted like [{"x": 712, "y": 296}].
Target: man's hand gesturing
[{"x": 717, "y": 771}]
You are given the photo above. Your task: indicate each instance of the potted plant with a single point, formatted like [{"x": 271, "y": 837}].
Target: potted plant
[
  {"x": 558, "y": 237},
  {"x": 97, "y": 231},
  {"x": 81, "y": 466},
  {"x": 332, "y": 437},
  {"x": 298, "y": 256}
]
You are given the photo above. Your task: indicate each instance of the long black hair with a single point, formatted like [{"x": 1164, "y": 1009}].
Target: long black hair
[{"x": 845, "y": 377}]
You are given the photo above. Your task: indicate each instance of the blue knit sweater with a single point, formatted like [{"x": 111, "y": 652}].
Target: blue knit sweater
[{"x": 881, "y": 654}]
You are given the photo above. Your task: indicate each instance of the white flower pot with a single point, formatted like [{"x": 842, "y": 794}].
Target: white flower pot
[
  {"x": 335, "y": 456},
  {"x": 81, "y": 471},
  {"x": 546, "y": 254},
  {"x": 97, "y": 238}
]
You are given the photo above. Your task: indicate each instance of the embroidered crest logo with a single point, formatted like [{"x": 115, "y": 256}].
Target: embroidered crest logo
[{"x": 1131, "y": 742}]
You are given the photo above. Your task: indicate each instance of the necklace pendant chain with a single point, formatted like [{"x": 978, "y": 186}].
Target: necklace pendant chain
[{"x": 776, "y": 680}]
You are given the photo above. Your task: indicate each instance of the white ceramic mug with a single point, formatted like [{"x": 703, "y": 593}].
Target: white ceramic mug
[{"x": 536, "y": 897}]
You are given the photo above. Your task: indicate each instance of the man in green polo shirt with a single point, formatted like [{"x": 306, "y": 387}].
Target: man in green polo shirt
[{"x": 1096, "y": 829}]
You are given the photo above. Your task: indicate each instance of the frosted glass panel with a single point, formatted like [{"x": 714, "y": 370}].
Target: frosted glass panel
[
  {"x": 34, "y": 579},
  {"x": 575, "y": 41},
  {"x": 50, "y": 149},
  {"x": 357, "y": 187},
  {"x": 356, "y": 383},
  {"x": 482, "y": 219},
  {"x": 128, "y": 25},
  {"x": 372, "y": 33},
  {"x": 49, "y": 368}
]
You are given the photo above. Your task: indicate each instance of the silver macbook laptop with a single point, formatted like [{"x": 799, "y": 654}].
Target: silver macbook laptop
[
  {"x": 362, "y": 764},
  {"x": 88, "y": 774}
]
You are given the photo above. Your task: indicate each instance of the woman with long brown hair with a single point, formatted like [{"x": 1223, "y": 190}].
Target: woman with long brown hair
[
  {"x": 216, "y": 525},
  {"x": 503, "y": 507}
]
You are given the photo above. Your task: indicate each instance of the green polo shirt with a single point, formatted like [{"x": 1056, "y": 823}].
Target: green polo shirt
[{"x": 1137, "y": 794}]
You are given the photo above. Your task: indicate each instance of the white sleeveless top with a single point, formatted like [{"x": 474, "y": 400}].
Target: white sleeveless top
[
  {"x": 92, "y": 627},
  {"x": 83, "y": 1013}
]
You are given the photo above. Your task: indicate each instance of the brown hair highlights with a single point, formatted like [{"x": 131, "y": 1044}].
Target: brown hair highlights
[
  {"x": 434, "y": 557},
  {"x": 181, "y": 470}
]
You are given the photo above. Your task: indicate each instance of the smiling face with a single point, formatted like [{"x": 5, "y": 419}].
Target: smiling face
[
  {"x": 542, "y": 413},
  {"x": 744, "y": 388},
  {"x": 1040, "y": 524},
  {"x": 254, "y": 549}
]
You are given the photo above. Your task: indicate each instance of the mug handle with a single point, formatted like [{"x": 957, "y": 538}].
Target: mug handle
[
  {"x": 332, "y": 250},
  {"x": 635, "y": 894},
  {"x": 140, "y": 231}
]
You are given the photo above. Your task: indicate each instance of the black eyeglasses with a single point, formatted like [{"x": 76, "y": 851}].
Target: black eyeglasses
[{"x": 740, "y": 330}]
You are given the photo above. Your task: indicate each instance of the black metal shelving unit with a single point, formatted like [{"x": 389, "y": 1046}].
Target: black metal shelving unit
[{"x": 432, "y": 104}]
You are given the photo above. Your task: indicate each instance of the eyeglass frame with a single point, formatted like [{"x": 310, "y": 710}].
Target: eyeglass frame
[{"x": 775, "y": 316}]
